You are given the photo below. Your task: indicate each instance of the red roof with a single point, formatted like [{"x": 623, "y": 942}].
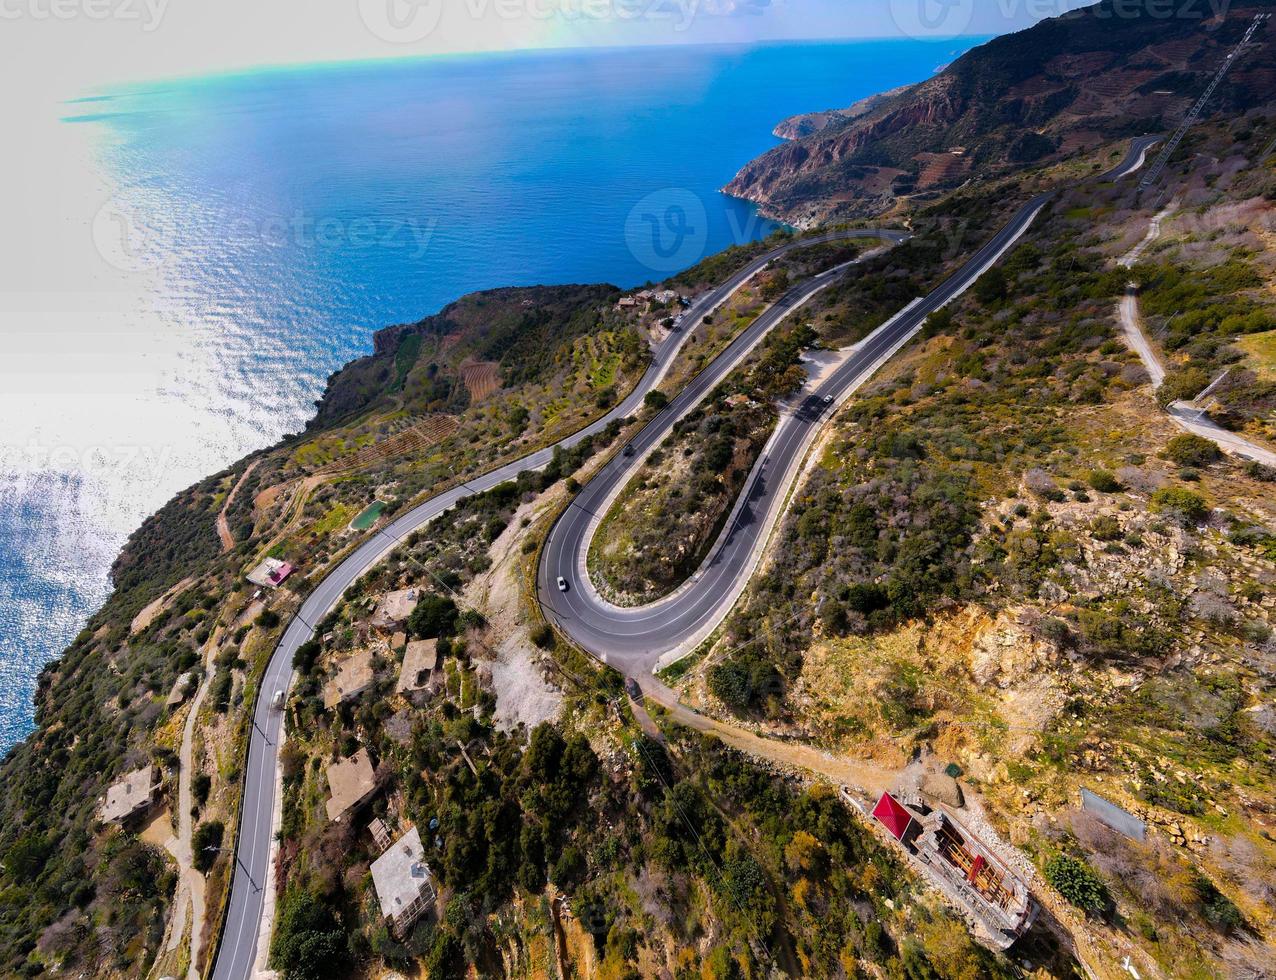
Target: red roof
[{"x": 893, "y": 815}]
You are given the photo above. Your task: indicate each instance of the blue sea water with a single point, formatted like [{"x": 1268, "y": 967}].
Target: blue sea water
[{"x": 267, "y": 223}]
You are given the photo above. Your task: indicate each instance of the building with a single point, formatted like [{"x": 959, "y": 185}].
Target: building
[
  {"x": 405, "y": 887},
  {"x": 353, "y": 678},
  {"x": 182, "y": 688},
  {"x": 271, "y": 573},
  {"x": 420, "y": 658},
  {"x": 133, "y": 793},
  {"x": 350, "y": 782},
  {"x": 963, "y": 867},
  {"x": 395, "y": 608}
]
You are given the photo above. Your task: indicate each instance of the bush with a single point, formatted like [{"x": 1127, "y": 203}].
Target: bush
[
  {"x": 309, "y": 943},
  {"x": 1192, "y": 450},
  {"x": 1217, "y": 909},
  {"x": 433, "y": 616},
  {"x": 543, "y": 636},
  {"x": 1176, "y": 501},
  {"x": 1105, "y": 527},
  {"x": 268, "y": 619},
  {"x": 655, "y": 400},
  {"x": 206, "y": 845},
  {"x": 1079, "y": 883},
  {"x": 1103, "y": 481}
]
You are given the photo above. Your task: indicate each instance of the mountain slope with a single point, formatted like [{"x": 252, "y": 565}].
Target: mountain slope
[{"x": 1066, "y": 85}]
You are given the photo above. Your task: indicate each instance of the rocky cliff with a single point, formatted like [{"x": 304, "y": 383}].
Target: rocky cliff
[{"x": 1060, "y": 88}]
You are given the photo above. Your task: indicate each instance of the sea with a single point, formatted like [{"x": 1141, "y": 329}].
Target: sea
[{"x": 192, "y": 258}]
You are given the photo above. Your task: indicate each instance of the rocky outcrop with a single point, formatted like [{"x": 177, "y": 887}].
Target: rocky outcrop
[{"x": 1006, "y": 105}]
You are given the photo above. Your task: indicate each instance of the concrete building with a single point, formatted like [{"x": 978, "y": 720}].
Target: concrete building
[
  {"x": 420, "y": 658},
  {"x": 271, "y": 573},
  {"x": 133, "y": 793},
  {"x": 182, "y": 689},
  {"x": 405, "y": 887},
  {"x": 395, "y": 608},
  {"x": 353, "y": 678},
  {"x": 350, "y": 782}
]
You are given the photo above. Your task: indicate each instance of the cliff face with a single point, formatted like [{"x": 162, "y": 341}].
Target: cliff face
[{"x": 1064, "y": 86}]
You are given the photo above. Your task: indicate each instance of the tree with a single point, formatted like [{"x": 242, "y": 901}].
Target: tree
[
  {"x": 991, "y": 287},
  {"x": 1079, "y": 883},
  {"x": 655, "y": 400},
  {"x": 310, "y": 943},
  {"x": 433, "y": 616}
]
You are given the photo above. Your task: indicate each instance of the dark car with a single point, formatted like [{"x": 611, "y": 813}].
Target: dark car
[{"x": 632, "y": 688}]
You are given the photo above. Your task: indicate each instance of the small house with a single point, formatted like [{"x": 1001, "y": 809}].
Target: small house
[{"x": 404, "y": 884}]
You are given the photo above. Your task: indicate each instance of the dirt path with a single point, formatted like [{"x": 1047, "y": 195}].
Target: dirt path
[
  {"x": 1185, "y": 416},
  {"x": 190, "y": 883},
  {"x": 842, "y": 771},
  {"x": 223, "y": 525}
]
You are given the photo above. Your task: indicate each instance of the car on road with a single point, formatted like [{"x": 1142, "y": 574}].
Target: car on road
[
  {"x": 562, "y": 584},
  {"x": 629, "y": 449},
  {"x": 828, "y": 399},
  {"x": 277, "y": 702}
]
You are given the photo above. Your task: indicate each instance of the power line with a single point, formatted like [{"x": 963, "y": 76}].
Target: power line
[{"x": 1172, "y": 144}]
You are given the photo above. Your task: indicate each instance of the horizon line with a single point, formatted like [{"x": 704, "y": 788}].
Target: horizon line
[{"x": 109, "y": 89}]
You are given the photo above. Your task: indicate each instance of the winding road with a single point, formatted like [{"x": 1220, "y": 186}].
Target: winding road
[
  {"x": 631, "y": 639},
  {"x": 237, "y": 951},
  {"x": 637, "y": 640}
]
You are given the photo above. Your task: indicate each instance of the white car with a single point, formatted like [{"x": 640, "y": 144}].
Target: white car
[
  {"x": 277, "y": 702},
  {"x": 828, "y": 399},
  {"x": 562, "y": 584}
]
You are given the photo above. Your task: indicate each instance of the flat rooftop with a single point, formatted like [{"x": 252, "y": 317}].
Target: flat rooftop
[
  {"x": 349, "y": 782},
  {"x": 353, "y": 678},
  {"x": 419, "y": 659},
  {"x": 395, "y": 608},
  {"x": 132, "y": 792},
  {"x": 401, "y": 875}
]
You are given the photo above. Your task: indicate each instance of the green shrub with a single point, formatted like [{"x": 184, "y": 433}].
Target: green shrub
[
  {"x": 206, "y": 845},
  {"x": 1217, "y": 909},
  {"x": 1103, "y": 481},
  {"x": 1105, "y": 527},
  {"x": 1189, "y": 449},
  {"x": 433, "y": 616},
  {"x": 1079, "y": 883},
  {"x": 1180, "y": 502}
]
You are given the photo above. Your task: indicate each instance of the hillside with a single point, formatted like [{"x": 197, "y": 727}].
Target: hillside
[{"x": 1030, "y": 99}]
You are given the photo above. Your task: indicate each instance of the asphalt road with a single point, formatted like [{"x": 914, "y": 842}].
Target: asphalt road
[
  {"x": 630, "y": 638},
  {"x": 237, "y": 951},
  {"x": 636, "y": 639}
]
